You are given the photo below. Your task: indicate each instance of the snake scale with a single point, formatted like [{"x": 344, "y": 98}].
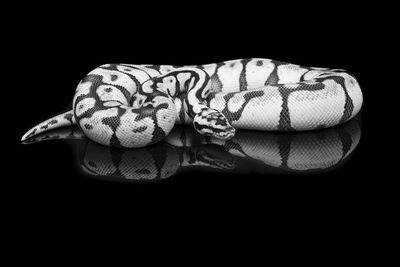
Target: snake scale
[{"x": 124, "y": 105}]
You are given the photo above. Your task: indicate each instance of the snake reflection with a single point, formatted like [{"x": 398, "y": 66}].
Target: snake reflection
[{"x": 184, "y": 149}]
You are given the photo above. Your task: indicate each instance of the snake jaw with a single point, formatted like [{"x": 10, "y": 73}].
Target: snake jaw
[
  {"x": 225, "y": 135},
  {"x": 211, "y": 122}
]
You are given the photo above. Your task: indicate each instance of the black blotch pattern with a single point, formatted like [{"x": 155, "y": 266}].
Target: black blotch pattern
[
  {"x": 234, "y": 116},
  {"x": 154, "y": 67},
  {"x": 302, "y": 79},
  {"x": 158, "y": 132},
  {"x": 345, "y": 137},
  {"x": 113, "y": 123},
  {"x": 284, "y": 118},
  {"x": 215, "y": 79},
  {"x": 284, "y": 143},
  {"x": 52, "y": 122},
  {"x": 114, "y": 77},
  {"x": 68, "y": 117},
  {"x": 88, "y": 126},
  {"x": 242, "y": 77},
  {"x": 182, "y": 111},
  {"x": 97, "y": 80},
  {"x": 219, "y": 121},
  {"x": 273, "y": 77},
  {"x": 139, "y": 129},
  {"x": 160, "y": 153},
  {"x": 200, "y": 127},
  {"x": 348, "y": 106}
]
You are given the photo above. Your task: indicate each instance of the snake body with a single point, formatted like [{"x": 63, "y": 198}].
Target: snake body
[{"x": 124, "y": 105}]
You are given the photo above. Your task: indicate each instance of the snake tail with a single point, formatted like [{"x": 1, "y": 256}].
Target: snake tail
[{"x": 58, "y": 121}]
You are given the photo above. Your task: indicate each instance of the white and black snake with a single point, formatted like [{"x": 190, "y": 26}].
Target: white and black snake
[{"x": 123, "y": 105}]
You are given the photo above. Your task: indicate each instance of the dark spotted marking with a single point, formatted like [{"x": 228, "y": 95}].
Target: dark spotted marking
[
  {"x": 108, "y": 89},
  {"x": 139, "y": 129},
  {"x": 273, "y": 77},
  {"x": 348, "y": 106},
  {"x": 52, "y": 122},
  {"x": 113, "y": 123},
  {"x": 259, "y": 63},
  {"x": 284, "y": 118},
  {"x": 97, "y": 80},
  {"x": 69, "y": 117},
  {"x": 214, "y": 116},
  {"x": 88, "y": 126},
  {"x": 154, "y": 67},
  {"x": 182, "y": 110},
  {"x": 302, "y": 79},
  {"x": 114, "y": 77},
  {"x": 284, "y": 144},
  {"x": 158, "y": 132},
  {"x": 242, "y": 77},
  {"x": 234, "y": 116},
  {"x": 219, "y": 121},
  {"x": 345, "y": 138},
  {"x": 200, "y": 127},
  {"x": 216, "y": 84}
]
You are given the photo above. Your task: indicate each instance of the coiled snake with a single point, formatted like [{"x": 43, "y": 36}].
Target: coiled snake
[{"x": 123, "y": 105}]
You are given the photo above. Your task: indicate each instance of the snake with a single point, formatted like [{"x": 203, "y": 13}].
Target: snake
[
  {"x": 183, "y": 150},
  {"x": 134, "y": 106}
]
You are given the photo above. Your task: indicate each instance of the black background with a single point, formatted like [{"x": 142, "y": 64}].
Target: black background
[{"x": 57, "y": 48}]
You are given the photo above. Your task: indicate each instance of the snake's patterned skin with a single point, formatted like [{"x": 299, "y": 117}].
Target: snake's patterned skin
[
  {"x": 123, "y": 105},
  {"x": 185, "y": 150}
]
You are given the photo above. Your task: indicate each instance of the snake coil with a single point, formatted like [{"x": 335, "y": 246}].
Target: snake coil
[{"x": 124, "y": 105}]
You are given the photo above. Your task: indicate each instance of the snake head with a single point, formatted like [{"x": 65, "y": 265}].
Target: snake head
[{"x": 211, "y": 122}]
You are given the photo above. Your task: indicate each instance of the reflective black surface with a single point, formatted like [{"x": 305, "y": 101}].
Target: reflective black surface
[{"x": 185, "y": 151}]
